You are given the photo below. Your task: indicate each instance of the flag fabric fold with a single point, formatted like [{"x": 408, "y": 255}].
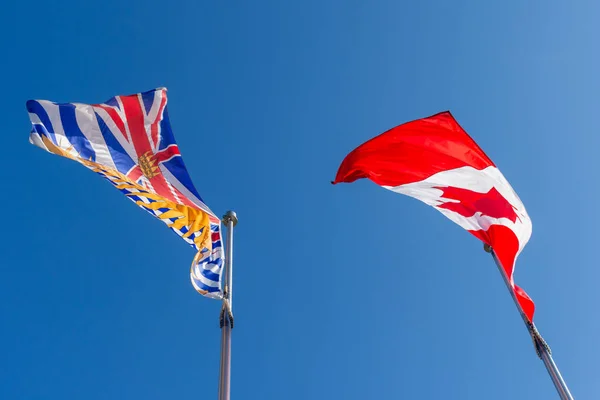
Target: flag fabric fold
[
  {"x": 435, "y": 161},
  {"x": 128, "y": 140}
]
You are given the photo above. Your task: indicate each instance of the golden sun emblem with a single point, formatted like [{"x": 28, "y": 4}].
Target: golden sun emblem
[{"x": 148, "y": 165}]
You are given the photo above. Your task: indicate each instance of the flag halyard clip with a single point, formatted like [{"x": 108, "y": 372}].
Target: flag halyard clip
[
  {"x": 538, "y": 341},
  {"x": 225, "y": 311}
]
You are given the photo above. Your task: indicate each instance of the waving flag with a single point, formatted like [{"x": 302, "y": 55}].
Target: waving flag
[
  {"x": 128, "y": 140},
  {"x": 434, "y": 160}
]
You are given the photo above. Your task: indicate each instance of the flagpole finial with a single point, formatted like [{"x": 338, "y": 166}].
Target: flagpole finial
[
  {"x": 230, "y": 216},
  {"x": 487, "y": 248}
]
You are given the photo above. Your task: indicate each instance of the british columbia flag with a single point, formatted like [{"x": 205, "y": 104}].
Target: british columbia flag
[{"x": 129, "y": 141}]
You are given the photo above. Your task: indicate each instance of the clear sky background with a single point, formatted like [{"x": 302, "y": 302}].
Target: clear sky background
[{"x": 341, "y": 292}]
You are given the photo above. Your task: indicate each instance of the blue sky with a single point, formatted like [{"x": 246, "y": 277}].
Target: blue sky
[{"x": 344, "y": 292}]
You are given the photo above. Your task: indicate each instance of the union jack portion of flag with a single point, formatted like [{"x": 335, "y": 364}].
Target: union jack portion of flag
[{"x": 128, "y": 140}]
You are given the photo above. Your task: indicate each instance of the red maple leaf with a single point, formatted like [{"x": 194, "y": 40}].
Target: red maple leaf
[{"x": 492, "y": 203}]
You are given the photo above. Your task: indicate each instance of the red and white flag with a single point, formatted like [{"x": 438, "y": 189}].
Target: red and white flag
[{"x": 434, "y": 160}]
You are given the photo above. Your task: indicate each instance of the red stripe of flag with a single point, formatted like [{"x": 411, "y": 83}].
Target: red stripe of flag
[
  {"x": 116, "y": 118},
  {"x": 154, "y": 127},
  {"x": 412, "y": 152}
]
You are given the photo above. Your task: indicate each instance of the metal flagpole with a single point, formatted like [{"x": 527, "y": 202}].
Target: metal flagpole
[
  {"x": 541, "y": 347},
  {"x": 226, "y": 319}
]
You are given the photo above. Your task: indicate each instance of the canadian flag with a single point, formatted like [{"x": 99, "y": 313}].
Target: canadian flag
[{"x": 434, "y": 160}]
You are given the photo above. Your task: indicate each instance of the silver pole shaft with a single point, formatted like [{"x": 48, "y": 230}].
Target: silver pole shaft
[
  {"x": 541, "y": 347},
  {"x": 230, "y": 220},
  {"x": 225, "y": 372}
]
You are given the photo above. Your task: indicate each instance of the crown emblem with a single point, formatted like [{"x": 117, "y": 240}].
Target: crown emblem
[{"x": 148, "y": 165}]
